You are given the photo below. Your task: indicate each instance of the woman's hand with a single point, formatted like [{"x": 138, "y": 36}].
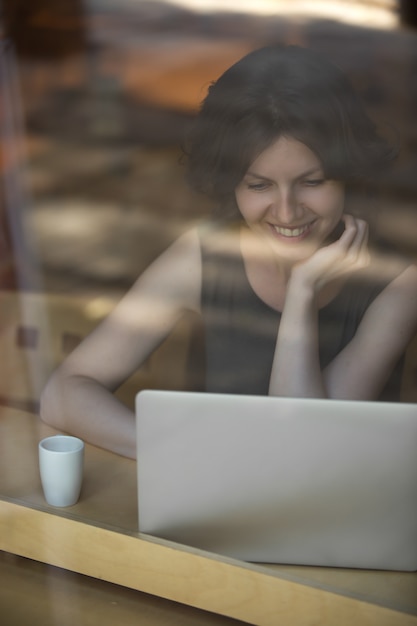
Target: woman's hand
[
  {"x": 340, "y": 258},
  {"x": 296, "y": 367}
]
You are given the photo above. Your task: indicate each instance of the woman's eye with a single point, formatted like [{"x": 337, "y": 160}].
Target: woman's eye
[
  {"x": 313, "y": 182},
  {"x": 257, "y": 186}
]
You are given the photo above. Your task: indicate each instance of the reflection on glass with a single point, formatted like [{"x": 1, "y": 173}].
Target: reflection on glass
[
  {"x": 107, "y": 109},
  {"x": 110, "y": 93}
]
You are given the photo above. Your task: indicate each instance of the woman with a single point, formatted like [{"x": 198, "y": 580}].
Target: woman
[{"x": 293, "y": 303}]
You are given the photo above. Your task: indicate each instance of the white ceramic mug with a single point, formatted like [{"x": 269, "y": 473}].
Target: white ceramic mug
[{"x": 61, "y": 464}]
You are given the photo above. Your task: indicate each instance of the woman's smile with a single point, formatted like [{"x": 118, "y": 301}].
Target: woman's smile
[
  {"x": 285, "y": 197},
  {"x": 293, "y": 233}
]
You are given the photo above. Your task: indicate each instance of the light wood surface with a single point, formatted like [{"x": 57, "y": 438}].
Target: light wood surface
[
  {"x": 98, "y": 537},
  {"x": 36, "y": 594}
]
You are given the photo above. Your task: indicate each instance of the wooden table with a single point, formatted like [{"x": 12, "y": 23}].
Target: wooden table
[{"x": 98, "y": 538}]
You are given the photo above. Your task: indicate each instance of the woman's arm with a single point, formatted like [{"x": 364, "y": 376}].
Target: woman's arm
[
  {"x": 78, "y": 397},
  {"x": 362, "y": 369},
  {"x": 296, "y": 368}
]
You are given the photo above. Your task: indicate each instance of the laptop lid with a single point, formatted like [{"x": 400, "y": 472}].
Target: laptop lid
[{"x": 280, "y": 480}]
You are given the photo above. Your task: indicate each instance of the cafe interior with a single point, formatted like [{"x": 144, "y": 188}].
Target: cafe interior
[{"x": 96, "y": 97}]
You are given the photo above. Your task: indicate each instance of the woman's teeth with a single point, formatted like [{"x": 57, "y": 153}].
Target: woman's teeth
[{"x": 291, "y": 232}]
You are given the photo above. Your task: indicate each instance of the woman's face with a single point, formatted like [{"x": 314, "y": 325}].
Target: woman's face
[{"x": 285, "y": 199}]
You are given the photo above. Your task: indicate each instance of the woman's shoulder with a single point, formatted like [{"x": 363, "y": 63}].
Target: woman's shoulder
[
  {"x": 215, "y": 225},
  {"x": 389, "y": 259},
  {"x": 180, "y": 248},
  {"x": 219, "y": 237},
  {"x": 175, "y": 273},
  {"x": 384, "y": 275},
  {"x": 395, "y": 285},
  {"x": 406, "y": 281},
  {"x": 387, "y": 268},
  {"x": 203, "y": 239}
]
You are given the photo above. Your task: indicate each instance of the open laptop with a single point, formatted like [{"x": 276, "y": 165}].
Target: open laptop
[{"x": 280, "y": 480}]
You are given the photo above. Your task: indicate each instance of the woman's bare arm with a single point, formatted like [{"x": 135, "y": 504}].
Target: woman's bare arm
[
  {"x": 362, "y": 369},
  {"x": 296, "y": 368},
  {"x": 79, "y": 395}
]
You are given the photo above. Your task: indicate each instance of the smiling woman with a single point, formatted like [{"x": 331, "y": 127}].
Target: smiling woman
[
  {"x": 293, "y": 298},
  {"x": 286, "y": 198},
  {"x": 282, "y": 92}
]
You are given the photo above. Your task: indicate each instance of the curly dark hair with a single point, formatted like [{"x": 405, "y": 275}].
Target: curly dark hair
[{"x": 281, "y": 91}]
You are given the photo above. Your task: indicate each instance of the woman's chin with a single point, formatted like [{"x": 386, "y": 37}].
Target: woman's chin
[
  {"x": 294, "y": 251},
  {"x": 287, "y": 249}
]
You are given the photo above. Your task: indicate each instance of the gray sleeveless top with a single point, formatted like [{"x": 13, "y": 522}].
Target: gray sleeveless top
[{"x": 240, "y": 330}]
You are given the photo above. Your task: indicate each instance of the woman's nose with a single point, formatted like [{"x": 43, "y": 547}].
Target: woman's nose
[{"x": 285, "y": 207}]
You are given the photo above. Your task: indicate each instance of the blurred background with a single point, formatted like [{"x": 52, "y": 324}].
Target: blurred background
[{"x": 96, "y": 97}]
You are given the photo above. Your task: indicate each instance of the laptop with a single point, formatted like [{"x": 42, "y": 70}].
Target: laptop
[{"x": 280, "y": 480}]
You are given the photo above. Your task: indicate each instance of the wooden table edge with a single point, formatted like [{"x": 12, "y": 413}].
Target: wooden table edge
[{"x": 205, "y": 581}]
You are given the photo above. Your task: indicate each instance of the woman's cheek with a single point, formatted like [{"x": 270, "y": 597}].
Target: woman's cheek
[
  {"x": 337, "y": 196},
  {"x": 325, "y": 200},
  {"x": 251, "y": 205}
]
